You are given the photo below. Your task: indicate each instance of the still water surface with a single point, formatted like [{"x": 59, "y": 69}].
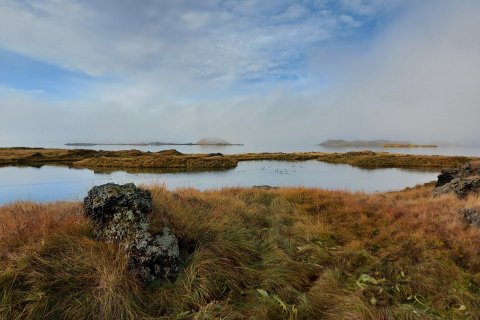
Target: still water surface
[{"x": 52, "y": 183}]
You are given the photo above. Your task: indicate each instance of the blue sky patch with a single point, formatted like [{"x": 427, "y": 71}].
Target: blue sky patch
[{"x": 21, "y": 73}]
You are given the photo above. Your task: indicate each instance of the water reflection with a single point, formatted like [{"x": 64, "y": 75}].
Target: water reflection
[
  {"x": 109, "y": 170},
  {"x": 52, "y": 183}
]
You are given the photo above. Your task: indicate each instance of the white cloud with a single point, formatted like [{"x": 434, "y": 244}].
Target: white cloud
[
  {"x": 210, "y": 38},
  {"x": 291, "y": 13},
  {"x": 183, "y": 72},
  {"x": 349, "y": 21}
]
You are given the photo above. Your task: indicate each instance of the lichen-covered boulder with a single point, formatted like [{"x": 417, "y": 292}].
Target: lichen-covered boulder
[
  {"x": 156, "y": 256},
  {"x": 120, "y": 215},
  {"x": 446, "y": 176},
  {"x": 103, "y": 202},
  {"x": 460, "y": 181}
]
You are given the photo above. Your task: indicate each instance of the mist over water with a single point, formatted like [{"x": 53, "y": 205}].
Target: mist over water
[
  {"x": 253, "y": 72},
  {"x": 285, "y": 147}
]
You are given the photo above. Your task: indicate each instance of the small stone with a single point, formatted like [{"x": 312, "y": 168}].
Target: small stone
[{"x": 471, "y": 216}]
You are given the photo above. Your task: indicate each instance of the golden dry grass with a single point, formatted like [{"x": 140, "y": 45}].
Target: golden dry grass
[
  {"x": 369, "y": 159},
  {"x": 288, "y": 253},
  {"x": 187, "y": 162}
]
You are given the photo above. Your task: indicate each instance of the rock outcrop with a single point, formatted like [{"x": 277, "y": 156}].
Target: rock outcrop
[
  {"x": 265, "y": 187},
  {"x": 120, "y": 214},
  {"x": 461, "y": 181}
]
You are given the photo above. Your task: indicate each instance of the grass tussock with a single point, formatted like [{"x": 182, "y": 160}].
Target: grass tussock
[{"x": 288, "y": 253}]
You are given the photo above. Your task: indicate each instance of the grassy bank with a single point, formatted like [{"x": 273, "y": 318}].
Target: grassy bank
[
  {"x": 366, "y": 159},
  {"x": 286, "y": 253},
  {"x": 128, "y": 159},
  {"x": 171, "y": 159},
  {"x": 187, "y": 162},
  {"x": 369, "y": 159}
]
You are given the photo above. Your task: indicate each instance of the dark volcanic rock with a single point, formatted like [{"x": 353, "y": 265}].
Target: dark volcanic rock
[
  {"x": 120, "y": 213},
  {"x": 37, "y": 155},
  {"x": 471, "y": 216},
  {"x": 446, "y": 176},
  {"x": 461, "y": 181},
  {"x": 103, "y": 202},
  {"x": 265, "y": 186}
]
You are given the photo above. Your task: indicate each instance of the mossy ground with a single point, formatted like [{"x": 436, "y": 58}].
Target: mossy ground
[{"x": 288, "y": 253}]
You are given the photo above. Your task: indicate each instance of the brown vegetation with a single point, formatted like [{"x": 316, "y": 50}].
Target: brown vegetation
[
  {"x": 287, "y": 253},
  {"x": 369, "y": 159},
  {"x": 172, "y": 159},
  {"x": 188, "y": 162},
  {"x": 165, "y": 159}
]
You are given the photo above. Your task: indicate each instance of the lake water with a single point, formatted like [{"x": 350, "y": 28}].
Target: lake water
[{"x": 53, "y": 183}]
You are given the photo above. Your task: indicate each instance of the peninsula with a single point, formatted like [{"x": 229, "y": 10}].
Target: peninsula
[{"x": 201, "y": 142}]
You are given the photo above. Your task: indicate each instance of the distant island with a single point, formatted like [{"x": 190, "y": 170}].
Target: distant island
[
  {"x": 409, "y": 145},
  {"x": 382, "y": 143},
  {"x": 202, "y": 142},
  {"x": 208, "y": 141}
]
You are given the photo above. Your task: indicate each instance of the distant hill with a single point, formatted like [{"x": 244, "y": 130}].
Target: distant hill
[
  {"x": 213, "y": 141},
  {"x": 382, "y": 143}
]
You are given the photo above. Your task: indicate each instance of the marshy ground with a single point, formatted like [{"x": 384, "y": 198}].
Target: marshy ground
[
  {"x": 172, "y": 159},
  {"x": 287, "y": 253}
]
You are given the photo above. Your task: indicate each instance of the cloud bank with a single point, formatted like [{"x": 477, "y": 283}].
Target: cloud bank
[{"x": 247, "y": 71}]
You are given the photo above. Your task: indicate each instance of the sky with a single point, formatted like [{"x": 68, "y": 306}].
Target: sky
[{"x": 247, "y": 71}]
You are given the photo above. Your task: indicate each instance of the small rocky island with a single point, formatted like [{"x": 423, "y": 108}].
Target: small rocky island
[
  {"x": 209, "y": 141},
  {"x": 382, "y": 143}
]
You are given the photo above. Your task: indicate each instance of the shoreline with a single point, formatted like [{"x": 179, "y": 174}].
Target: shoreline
[
  {"x": 153, "y": 144},
  {"x": 172, "y": 159}
]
